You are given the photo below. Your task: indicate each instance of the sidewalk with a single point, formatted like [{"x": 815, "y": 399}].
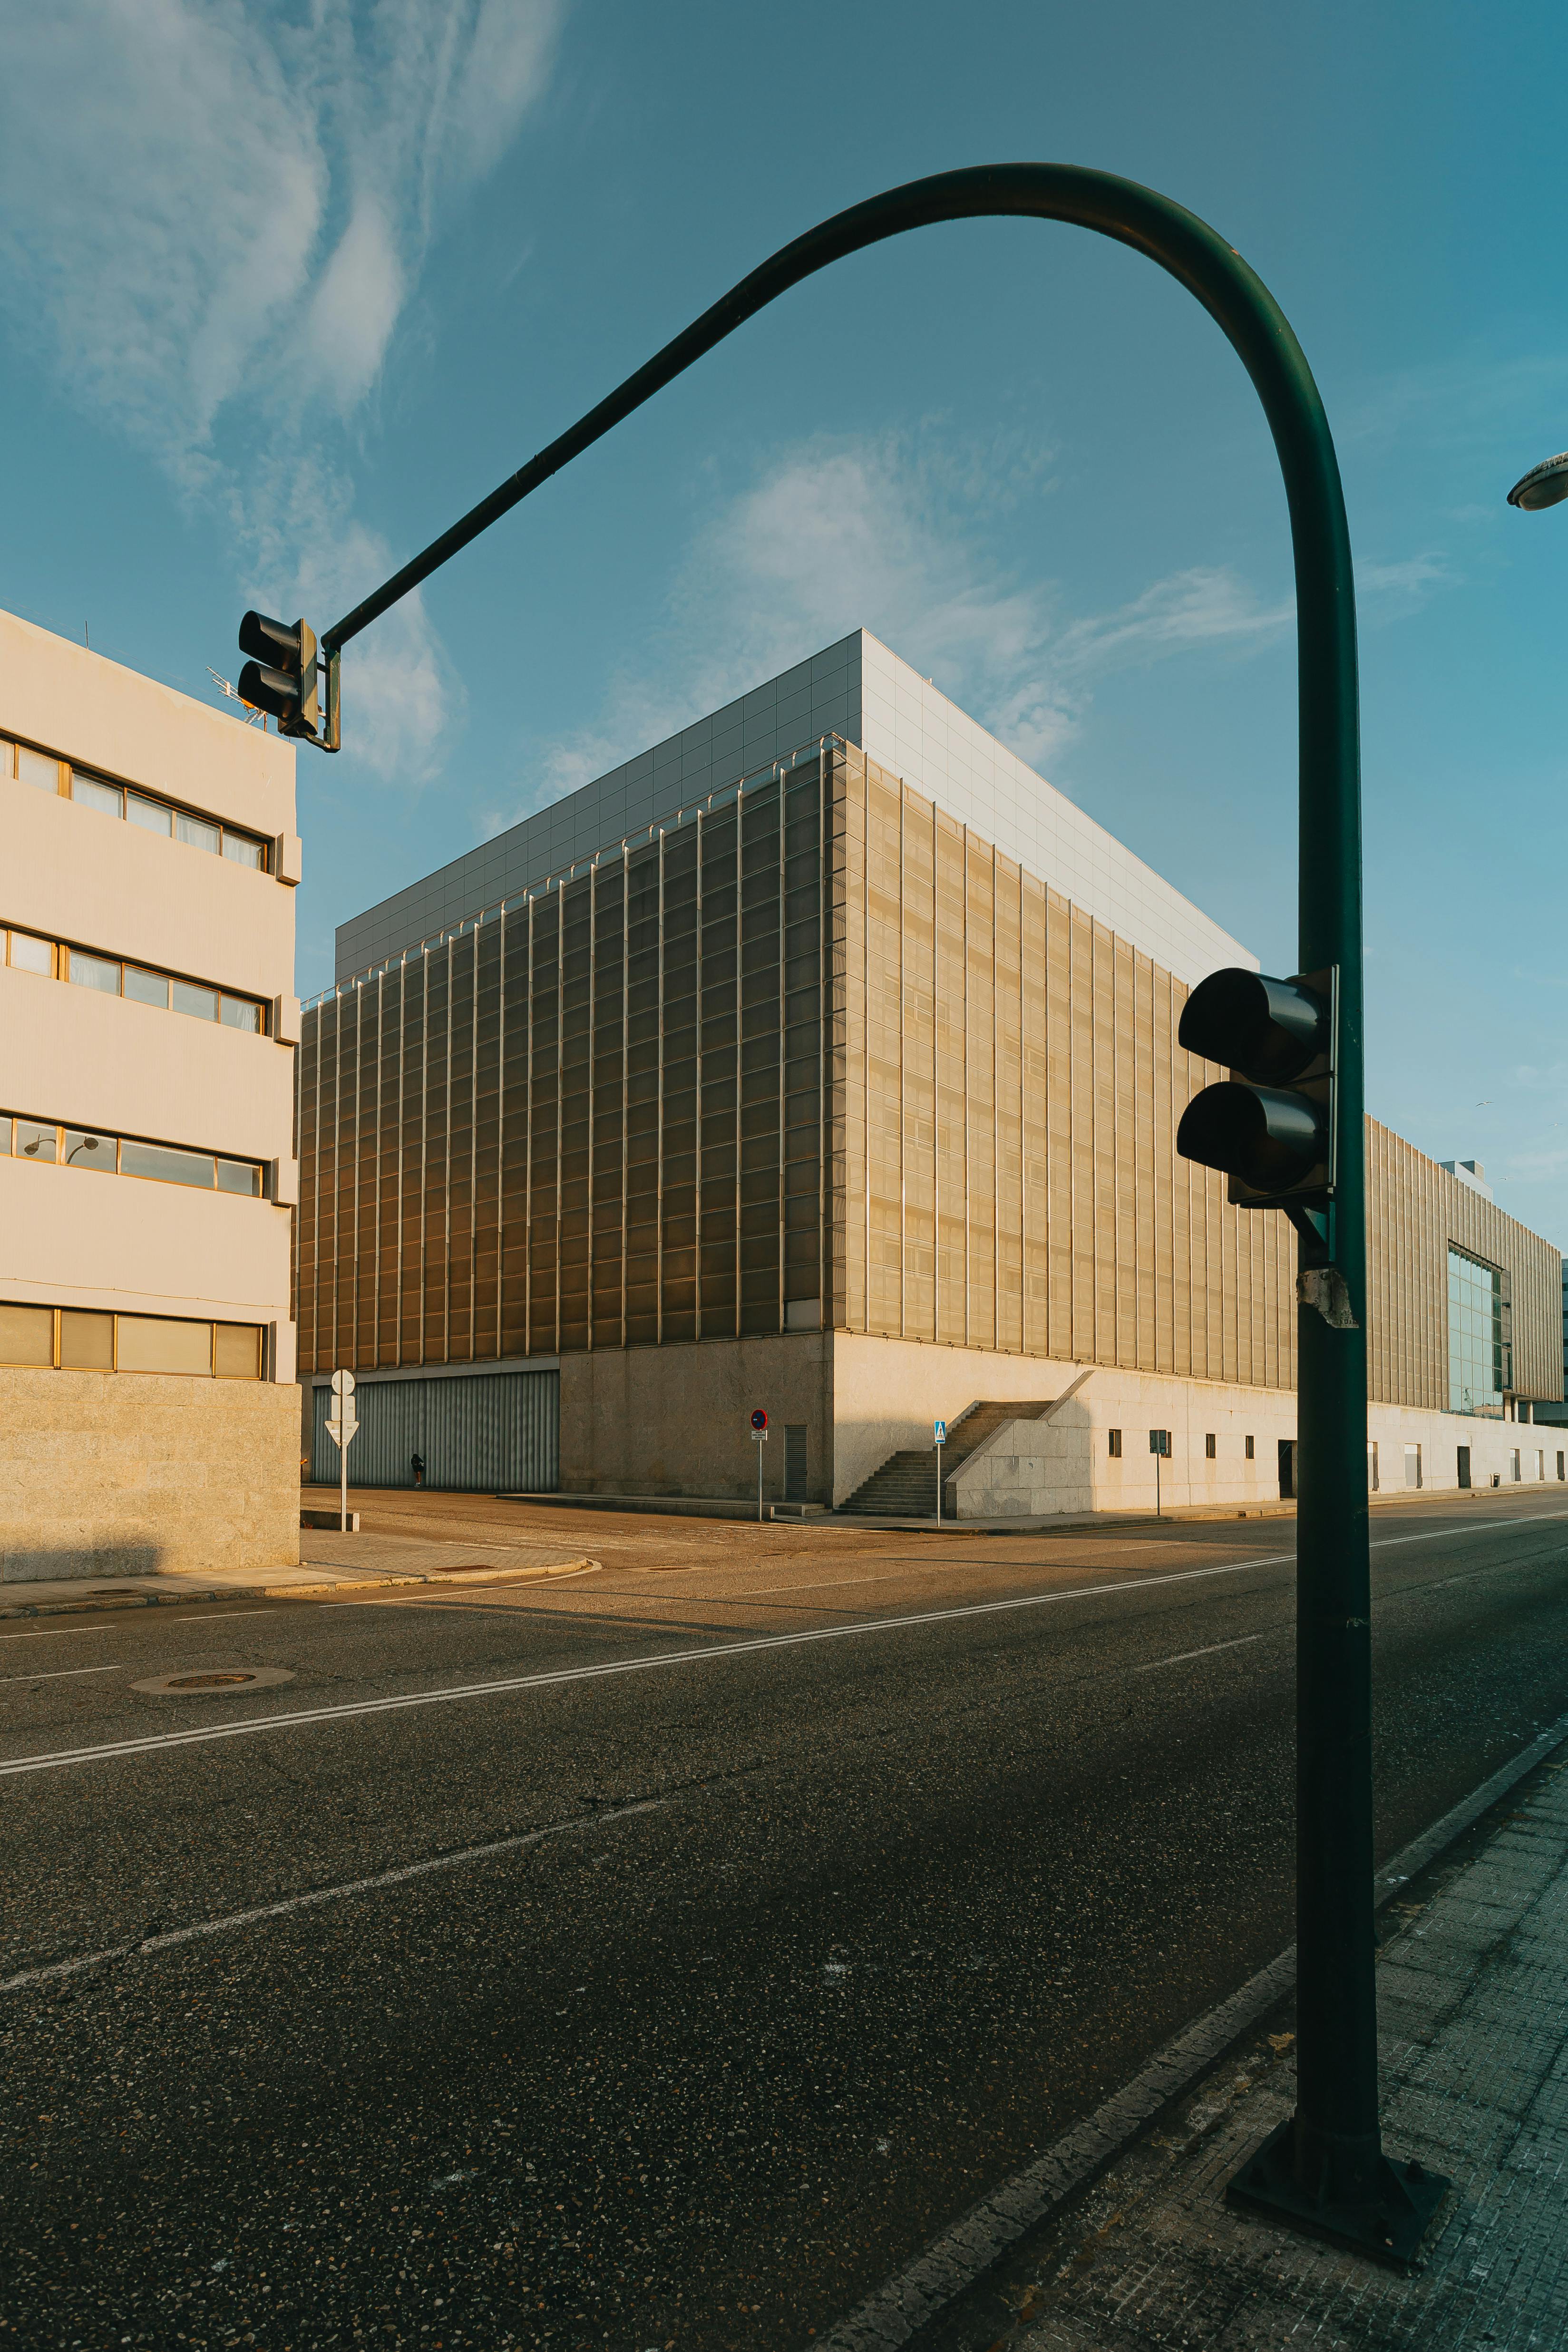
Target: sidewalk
[
  {"x": 328, "y": 1563},
  {"x": 1473, "y": 2009}
]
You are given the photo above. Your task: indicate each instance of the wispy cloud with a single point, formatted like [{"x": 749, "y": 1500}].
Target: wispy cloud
[
  {"x": 895, "y": 533},
  {"x": 212, "y": 214}
]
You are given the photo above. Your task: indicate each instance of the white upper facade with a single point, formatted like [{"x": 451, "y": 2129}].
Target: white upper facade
[
  {"x": 861, "y": 690},
  {"x": 147, "y": 1013}
]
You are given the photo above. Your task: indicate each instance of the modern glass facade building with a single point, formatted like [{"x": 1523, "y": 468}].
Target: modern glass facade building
[{"x": 807, "y": 1091}]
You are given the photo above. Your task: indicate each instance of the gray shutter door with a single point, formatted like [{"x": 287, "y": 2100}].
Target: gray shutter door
[{"x": 485, "y": 1433}]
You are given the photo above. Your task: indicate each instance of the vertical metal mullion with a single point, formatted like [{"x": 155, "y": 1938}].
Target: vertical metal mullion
[
  {"x": 697, "y": 1203},
  {"x": 659, "y": 1193},
  {"x": 625, "y": 1057}
]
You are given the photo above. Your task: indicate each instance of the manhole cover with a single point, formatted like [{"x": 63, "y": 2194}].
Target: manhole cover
[{"x": 213, "y": 1682}]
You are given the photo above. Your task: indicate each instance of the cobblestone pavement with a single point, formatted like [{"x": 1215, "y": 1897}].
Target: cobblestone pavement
[{"x": 1473, "y": 2007}]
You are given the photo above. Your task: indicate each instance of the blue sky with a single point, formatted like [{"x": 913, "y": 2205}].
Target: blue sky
[{"x": 283, "y": 290}]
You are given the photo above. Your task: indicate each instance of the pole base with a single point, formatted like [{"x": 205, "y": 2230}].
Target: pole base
[{"x": 1388, "y": 2226}]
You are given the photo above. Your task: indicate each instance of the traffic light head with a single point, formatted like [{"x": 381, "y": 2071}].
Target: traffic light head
[
  {"x": 280, "y": 677},
  {"x": 1272, "y": 1138}
]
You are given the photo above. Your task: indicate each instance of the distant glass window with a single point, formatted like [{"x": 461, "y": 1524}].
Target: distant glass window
[
  {"x": 37, "y": 768},
  {"x": 27, "y": 1334},
  {"x": 200, "y": 1003},
  {"x": 239, "y": 1012},
  {"x": 165, "y": 1166},
  {"x": 85, "y": 1150},
  {"x": 1475, "y": 1335},
  {"x": 87, "y": 1341},
  {"x": 238, "y": 1176},
  {"x": 199, "y": 833},
  {"x": 1115, "y": 1436},
  {"x": 151, "y": 1343},
  {"x": 94, "y": 971},
  {"x": 152, "y": 815},
  {"x": 1209, "y": 1447},
  {"x": 93, "y": 793},
  {"x": 28, "y": 954},
  {"x": 146, "y": 987},
  {"x": 241, "y": 852},
  {"x": 1251, "y": 1449},
  {"x": 35, "y": 1142}
]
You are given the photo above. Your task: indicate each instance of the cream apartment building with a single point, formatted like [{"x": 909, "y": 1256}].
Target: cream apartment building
[{"x": 148, "y": 1414}]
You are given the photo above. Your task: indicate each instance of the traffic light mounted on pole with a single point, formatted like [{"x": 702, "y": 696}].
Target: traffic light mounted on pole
[
  {"x": 283, "y": 678},
  {"x": 1271, "y": 1127}
]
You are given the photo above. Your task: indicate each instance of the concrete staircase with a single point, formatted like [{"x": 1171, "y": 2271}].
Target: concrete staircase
[{"x": 904, "y": 1487}]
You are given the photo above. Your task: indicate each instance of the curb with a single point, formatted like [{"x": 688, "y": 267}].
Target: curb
[
  {"x": 91, "y": 1604},
  {"x": 896, "y": 2313}
]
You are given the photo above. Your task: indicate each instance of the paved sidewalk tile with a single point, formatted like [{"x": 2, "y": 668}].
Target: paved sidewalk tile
[{"x": 1473, "y": 1996}]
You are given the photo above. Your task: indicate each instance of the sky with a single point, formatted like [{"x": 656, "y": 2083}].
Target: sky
[{"x": 283, "y": 290}]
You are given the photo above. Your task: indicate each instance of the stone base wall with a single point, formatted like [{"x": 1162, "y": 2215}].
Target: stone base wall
[
  {"x": 675, "y": 1420},
  {"x": 127, "y": 1474}
]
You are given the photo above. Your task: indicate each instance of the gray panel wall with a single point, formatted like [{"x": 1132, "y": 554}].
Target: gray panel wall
[{"x": 490, "y": 1433}]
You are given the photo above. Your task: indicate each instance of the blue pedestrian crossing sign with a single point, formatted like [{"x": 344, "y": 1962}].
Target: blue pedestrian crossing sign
[{"x": 941, "y": 1433}]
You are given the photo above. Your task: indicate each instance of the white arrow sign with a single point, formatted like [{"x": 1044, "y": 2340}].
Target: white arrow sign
[{"x": 341, "y": 1431}]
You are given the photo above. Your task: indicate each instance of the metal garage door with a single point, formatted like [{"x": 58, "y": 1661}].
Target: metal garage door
[{"x": 482, "y": 1433}]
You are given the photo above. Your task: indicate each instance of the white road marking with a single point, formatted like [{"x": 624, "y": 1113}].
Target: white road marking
[
  {"x": 61, "y": 1673},
  {"x": 397, "y": 1877},
  {"x": 1182, "y": 1656}
]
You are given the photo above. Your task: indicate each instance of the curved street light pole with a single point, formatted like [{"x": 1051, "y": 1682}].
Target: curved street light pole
[{"x": 1325, "y": 2171}]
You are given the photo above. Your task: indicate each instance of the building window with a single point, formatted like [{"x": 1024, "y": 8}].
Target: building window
[
  {"x": 1372, "y": 1466},
  {"x": 1560, "y": 1465},
  {"x": 1413, "y": 1465},
  {"x": 1514, "y": 1464},
  {"x": 138, "y": 808},
  {"x": 1208, "y": 1447},
  {"x": 110, "y": 976},
  {"x": 71, "y": 1338},
  {"x": 108, "y": 1155},
  {"x": 1540, "y": 1463},
  {"x": 1478, "y": 1338},
  {"x": 1251, "y": 1449},
  {"x": 1115, "y": 1438}
]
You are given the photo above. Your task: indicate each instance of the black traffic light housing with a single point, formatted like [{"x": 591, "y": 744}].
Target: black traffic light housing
[
  {"x": 1269, "y": 1129},
  {"x": 282, "y": 678}
]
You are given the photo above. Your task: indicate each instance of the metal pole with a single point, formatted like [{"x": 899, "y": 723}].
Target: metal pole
[
  {"x": 939, "y": 1481},
  {"x": 343, "y": 1476},
  {"x": 759, "y": 1482},
  {"x": 1325, "y": 2170}
]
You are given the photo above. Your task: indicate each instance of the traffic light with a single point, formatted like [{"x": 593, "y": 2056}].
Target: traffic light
[
  {"x": 1270, "y": 1127},
  {"x": 280, "y": 678}
]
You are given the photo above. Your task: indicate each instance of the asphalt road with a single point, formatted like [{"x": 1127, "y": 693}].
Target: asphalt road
[{"x": 828, "y": 1880}]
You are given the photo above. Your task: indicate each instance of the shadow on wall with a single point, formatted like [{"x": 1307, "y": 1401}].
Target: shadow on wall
[
  {"x": 43, "y": 1563},
  {"x": 1030, "y": 1468}
]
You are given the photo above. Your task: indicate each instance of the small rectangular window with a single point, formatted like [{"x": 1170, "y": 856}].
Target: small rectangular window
[
  {"x": 240, "y": 1176},
  {"x": 1540, "y": 1464},
  {"x": 151, "y": 1343},
  {"x": 93, "y": 793},
  {"x": 200, "y": 1003},
  {"x": 27, "y": 1335},
  {"x": 153, "y": 817},
  {"x": 1115, "y": 1438},
  {"x": 1516, "y": 1469},
  {"x": 146, "y": 987},
  {"x": 1560, "y": 1460},
  {"x": 1372, "y": 1476},
  {"x": 239, "y": 1012},
  {"x": 237, "y": 1351},
  {"x": 87, "y": 1343},
  {"x": 5, "y": 1135},
  {"x": 165, "y": 1166},
  {"x": 85, "y": 1150},
  {"x": 35, "y": 1142},
  {"x": 30, "y": 954},
  {"x": 241, "y": 852},
  {"x": 1208, "y": 1447},
  {"x": 94, "y": 971},
  {"x": 38, "y": 768},
  {"x": 1251, "y": 1450},
  {"x": 199, "y": 833}
]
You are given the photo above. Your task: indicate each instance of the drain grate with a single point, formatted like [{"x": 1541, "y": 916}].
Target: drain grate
[
  {"x": 213, "y": 1682},
  {"x": 205, "y": 1682}
]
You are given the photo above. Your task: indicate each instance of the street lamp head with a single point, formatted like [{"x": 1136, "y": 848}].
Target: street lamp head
[{"x": 1545, "y": 485}]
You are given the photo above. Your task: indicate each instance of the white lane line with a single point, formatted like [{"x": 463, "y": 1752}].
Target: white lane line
[
  {"x": 62, "y": 1674},
  {"x": 352, "y": 1886},
  {"x": 247, "y": 1726},
  {"x": 1182, "y": 1656}
]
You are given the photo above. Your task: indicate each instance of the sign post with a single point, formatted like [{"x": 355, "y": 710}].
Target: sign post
[
  {"x": 941, "y": 1442},
  {"x": 341, "y": 1423},
  {"x": 759, "y": 1438},
  {"x": 1159, "y": 1446}
]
